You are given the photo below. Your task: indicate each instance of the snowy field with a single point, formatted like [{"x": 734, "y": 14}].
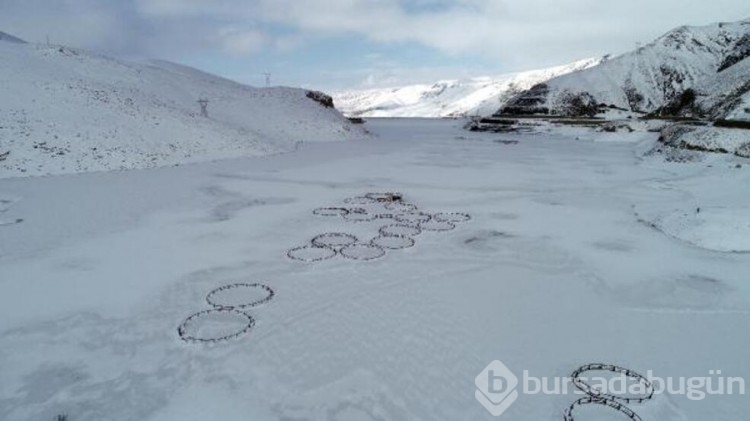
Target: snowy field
[{"x": 577, "y": 251}]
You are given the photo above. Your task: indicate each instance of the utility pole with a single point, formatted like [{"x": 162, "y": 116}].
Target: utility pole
[{"x": 204, "y": 107}]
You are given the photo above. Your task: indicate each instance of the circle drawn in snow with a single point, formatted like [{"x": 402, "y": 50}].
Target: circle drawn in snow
[
  {"x": 330, "y": 211},
  {"x": 359, "y": 200},
  {"x": 393, "y": 243},
  {"x": 376, "y": 210},
  {"x": 453, "y": 217},
  {"x": 596, "y": 393},
  {"x": 238, "y": 296},
  {"x": 401, "y": 207},
  {"x": 311, "y": 254},
  {"x": 385, "y": 197},
  {"x": 591, "y": 400},
  {"x": 359, "y": 217},
  {"x": 216, "y": 325},
  {"x": 435, "y": 225},
  {"x": 400, "y": 230},
  {"x": 334, "y": 240},
  {"x": 384, "y": 216},
  {"x": 363, "y": 252},
  {"x": 412, "y": 218}
]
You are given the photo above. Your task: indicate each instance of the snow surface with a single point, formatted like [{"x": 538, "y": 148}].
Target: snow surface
[
  {"x": 448, "y": 98},
  {"x": 64, "y": 110},
  {"x": 708, "y": 138},
  {"x": 686, "y": 57},
  {"x": 559, "y": 266}
]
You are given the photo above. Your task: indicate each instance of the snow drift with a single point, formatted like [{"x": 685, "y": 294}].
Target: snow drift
[
  {"x": 450, "y": 98},
  {"x": 64, "y": 110}
]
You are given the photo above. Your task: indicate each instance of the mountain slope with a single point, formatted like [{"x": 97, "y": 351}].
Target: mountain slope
[
  {"x": 482, "y": 95},
  {"x": 723, "y": 95},
  {"x": 10, "y": 38},
  {"x": 646, "y": 79},
  {"x": 65, "y": 110}
]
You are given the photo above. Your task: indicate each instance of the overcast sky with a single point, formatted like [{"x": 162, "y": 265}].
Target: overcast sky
[{"x": 335, "y": 44}]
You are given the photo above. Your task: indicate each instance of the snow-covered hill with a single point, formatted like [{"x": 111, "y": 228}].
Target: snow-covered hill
[
  {"x": 451, "y": 98},
  {"x": 64, "y": 110},
  {"x": 700, "y": 58},
  {"x": 10, "y": 38}
]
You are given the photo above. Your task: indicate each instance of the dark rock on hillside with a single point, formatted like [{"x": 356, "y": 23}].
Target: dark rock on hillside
[
  {"x": 321, "y": 98},
  {"x": 740, "y": 52},
  {"x": 528, "y": 103}
]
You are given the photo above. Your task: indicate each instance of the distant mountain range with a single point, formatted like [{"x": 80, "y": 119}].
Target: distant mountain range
[
  {"x": 448, "y": 98},
  {"x": 699, "y": 72},
  {"x": 690, "y": 71}
]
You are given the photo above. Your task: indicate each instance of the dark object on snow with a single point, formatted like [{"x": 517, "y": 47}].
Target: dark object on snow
[
  {"x": 733, "y": 124},
  {"x": 4, "y": 156},
  {"x": 61, "y": 417},
  {"x": 385, "y": 197},
  {"x": 319, "y": 97},
  {"x": 204, "y": 107},
  {"x": 356, "y": 120},
  {"x": 492, "y": 124}
]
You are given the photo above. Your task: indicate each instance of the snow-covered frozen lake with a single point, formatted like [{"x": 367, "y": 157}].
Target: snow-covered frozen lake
[{"x": 577, "y": 251}]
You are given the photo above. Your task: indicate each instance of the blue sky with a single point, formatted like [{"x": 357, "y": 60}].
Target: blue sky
[
  {"x": 350, "y": 61},
  {"x": 345, "y": 44}
]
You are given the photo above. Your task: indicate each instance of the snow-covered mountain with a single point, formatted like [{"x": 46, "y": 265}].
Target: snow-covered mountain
[
  {"x": 450, "y": 98},
  {"x": 65, "y": 110},
  {"x": 710, "y": 60},
  {"x": 10, "y": 38}
]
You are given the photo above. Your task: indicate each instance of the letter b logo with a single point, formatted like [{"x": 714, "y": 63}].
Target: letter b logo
[{"x": 496, "y": 388}]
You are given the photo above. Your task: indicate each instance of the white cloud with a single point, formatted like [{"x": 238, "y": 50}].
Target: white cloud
[
  {"x": 515, "y": 33},
  {"x": 243, "y": 42},
  {"x": 516, "y": 30}
]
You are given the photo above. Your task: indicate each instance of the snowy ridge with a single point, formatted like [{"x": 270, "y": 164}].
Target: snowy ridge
[
  {"x": 448, "y": 98},
  {"x": 64, "y": 110},
  {"x": 725, "y": 94},
  {"x": 648, "y": 78},
  {"x": 10, "y": 38}
]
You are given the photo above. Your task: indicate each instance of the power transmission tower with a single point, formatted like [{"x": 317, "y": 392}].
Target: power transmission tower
[
  {"x": 268, "y": 79},
  {"x": 204, "y": 107}
]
